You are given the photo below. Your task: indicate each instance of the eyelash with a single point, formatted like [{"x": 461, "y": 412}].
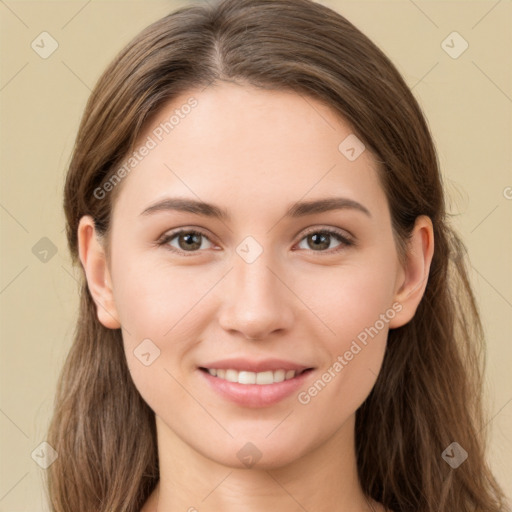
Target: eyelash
[{"x": 165, "y": 239}]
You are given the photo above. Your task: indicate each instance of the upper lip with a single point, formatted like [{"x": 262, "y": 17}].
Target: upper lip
[{"x": 262, "y": 365}]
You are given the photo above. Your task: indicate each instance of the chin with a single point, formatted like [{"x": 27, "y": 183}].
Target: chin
[{"x": 258, "y": 455}]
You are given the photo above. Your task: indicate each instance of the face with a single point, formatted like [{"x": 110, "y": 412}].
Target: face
[{"x": 271, "y": 285}]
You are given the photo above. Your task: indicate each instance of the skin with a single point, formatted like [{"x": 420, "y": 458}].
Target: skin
[{"x": 255, "y": 153}]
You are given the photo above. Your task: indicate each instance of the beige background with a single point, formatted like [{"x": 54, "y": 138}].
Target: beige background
[{"x": 468, "y": 104}]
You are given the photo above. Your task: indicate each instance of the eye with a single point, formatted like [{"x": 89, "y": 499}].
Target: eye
[
  {"x": 188, "y": 240},
  {"x": 320, "y": 239}
]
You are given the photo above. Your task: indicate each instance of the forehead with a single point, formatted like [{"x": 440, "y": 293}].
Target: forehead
[{"x": 244, "y": 147}]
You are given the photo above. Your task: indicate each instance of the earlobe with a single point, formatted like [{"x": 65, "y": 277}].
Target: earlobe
[
  {"x": 94, "y": 262},
  {"x": 413, "y": 279}
]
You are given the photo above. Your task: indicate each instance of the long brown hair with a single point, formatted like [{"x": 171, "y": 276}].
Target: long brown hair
[{"x": 429, "y": 391}]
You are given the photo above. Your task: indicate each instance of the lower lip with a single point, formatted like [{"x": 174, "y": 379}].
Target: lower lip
[{"x": 256, "y": 395}]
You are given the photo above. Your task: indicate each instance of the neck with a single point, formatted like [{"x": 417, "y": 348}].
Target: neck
[{"x": 324, "y": 479}]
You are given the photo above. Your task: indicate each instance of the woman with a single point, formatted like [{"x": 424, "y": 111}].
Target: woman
[{"x": 254, "y": 198}]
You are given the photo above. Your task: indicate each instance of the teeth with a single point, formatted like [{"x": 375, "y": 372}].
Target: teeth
[
  {"x": 279, "y": 375},
  {"x": 245, "y": 377},
  {"x": 264, "y": 377}
]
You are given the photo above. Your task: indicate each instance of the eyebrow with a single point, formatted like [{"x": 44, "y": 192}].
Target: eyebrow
[{"x": 299, "y": 209}]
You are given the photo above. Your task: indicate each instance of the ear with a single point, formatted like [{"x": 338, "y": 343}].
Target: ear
[
  {"x": 94, "y": 261},
  {"x": 412, "y": 280}
]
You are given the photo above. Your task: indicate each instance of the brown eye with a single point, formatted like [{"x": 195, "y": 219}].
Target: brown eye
[
  {"x": 187, "y": 240},
  {"x": 320, "y": 240}
]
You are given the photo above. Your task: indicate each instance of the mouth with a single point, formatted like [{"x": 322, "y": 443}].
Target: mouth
[
  {"x": 263, "y": 378},
  {"x": 255, "y": 382}
]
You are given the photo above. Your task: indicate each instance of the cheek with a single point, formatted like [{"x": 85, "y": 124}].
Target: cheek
[
  {"x": 162, "y": 315},
  {"x": 350, "y": 301},
  {"x": 354, "y": 355},
  {"x": 355, "y": 306},
  {"x": 154, "y": 299}
]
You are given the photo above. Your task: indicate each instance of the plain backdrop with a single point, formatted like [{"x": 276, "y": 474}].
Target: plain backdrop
[{"x": 466, "y": 97}]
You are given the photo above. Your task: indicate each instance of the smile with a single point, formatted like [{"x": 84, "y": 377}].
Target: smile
[{"x": 248, "y": 377}]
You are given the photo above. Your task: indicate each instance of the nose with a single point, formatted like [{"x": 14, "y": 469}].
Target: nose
[{"x": 257, "y": 301}]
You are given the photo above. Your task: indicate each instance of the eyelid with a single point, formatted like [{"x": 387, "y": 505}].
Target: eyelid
[{"x": 342, "y": 233}]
